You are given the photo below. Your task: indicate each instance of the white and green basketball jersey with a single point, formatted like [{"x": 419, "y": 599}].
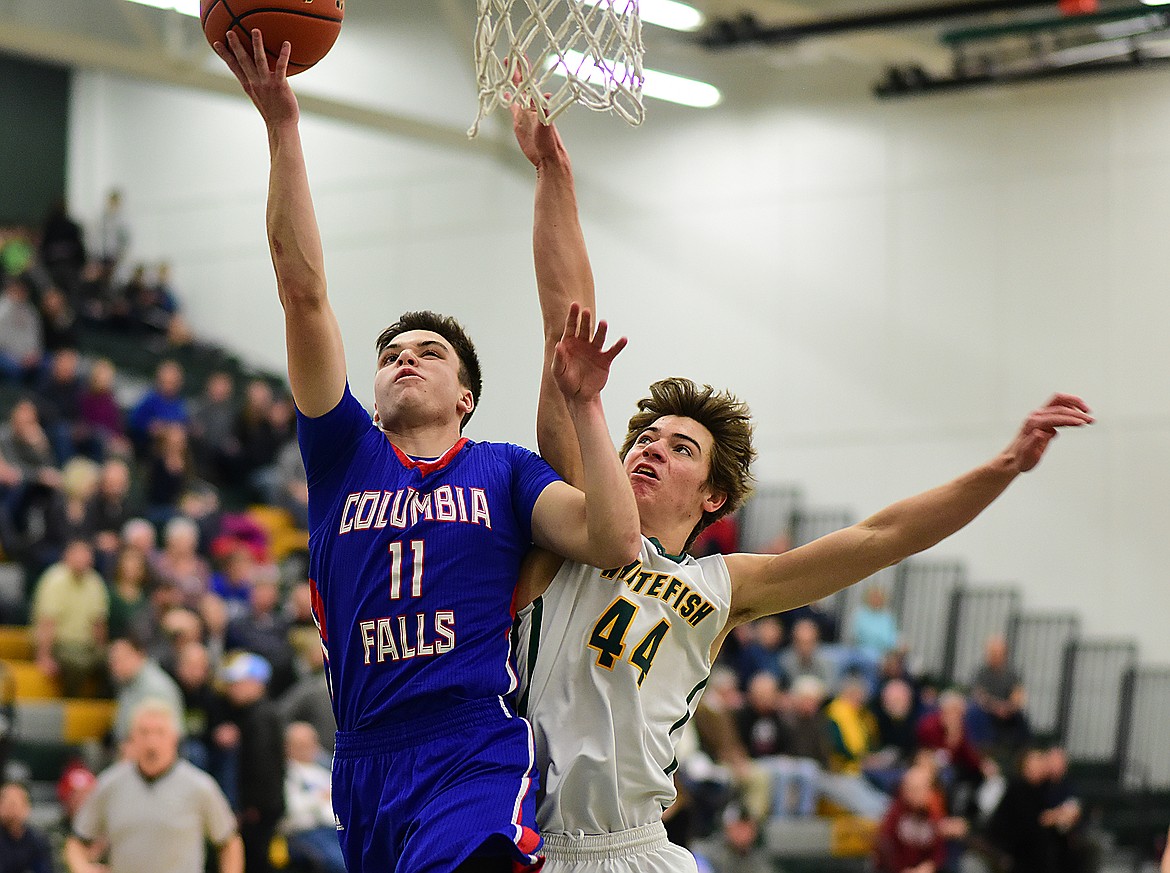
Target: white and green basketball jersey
[{"x": 612, "y": 664}]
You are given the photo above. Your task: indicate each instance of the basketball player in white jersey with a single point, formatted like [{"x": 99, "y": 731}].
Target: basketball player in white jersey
[{"x": 613, "y": 661}]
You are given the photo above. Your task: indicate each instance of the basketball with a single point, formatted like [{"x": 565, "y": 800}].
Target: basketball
[{"x": 310, "y": 26}]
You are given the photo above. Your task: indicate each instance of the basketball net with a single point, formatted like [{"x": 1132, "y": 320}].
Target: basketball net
[{"x": 567, "y": 51}]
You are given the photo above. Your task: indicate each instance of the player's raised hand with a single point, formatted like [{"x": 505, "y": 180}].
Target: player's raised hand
[
  {"x": 580, "y": 361},
  {"x": 267, "y": 86},
  {"x": 1040, "y": 428},
  {"x": 540, "y": 142}
]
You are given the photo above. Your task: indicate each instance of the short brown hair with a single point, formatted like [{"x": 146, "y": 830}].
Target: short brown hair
[
  {"x": 727, "y": 418},
  {"x": 453, "y": 332}
]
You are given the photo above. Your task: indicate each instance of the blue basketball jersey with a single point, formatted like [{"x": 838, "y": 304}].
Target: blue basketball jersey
[{"x": 413, "y": 565}]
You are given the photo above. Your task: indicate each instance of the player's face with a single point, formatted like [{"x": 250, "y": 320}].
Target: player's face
[
  {"x": 668, "y": 466},
  {"x": 418, "y": 381}
]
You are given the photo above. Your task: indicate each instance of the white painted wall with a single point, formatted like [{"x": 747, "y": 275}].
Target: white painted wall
[{"x": 892, "y": 286}]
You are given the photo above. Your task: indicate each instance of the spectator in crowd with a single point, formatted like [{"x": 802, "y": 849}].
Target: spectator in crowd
[
  {"x": 291, "y": 484},
  {"x": 23, "y": 848},
  {"x": 874, "y": 631},
  {"x": 113, "y": 235},
  {"x": 233, "y": 582},
  {"x": 156, "y": 811},
  {"x": 263, "y": 629},
  {"x": 215, "y": 617},
  {"x": 169, "y": 470},
  {"x": 1017, "y": 838},
  {"x": 309, "y": 823},
  {"x": 110, "y": 507},
  {"x": 129, "y": 587},
  {"x": 161, "y": 406},
  {"x": 303, "y": 635},
  {"x": 853, "y": 730},
  {"x": 910, "y": 839},
  {"x": 138, "y": 533},
  {"x": 1073, "y": 851},
  {"x": 62, "y": 247},
  {"x": 766, "y": 732},
  {"x": 205, "y": 709},
  {"x": 180, "y": 564},
  {"x": 253, "y": 429},
  {"x": 804, "y": 657},
  {"x": 811, "y": 734},
  {"x": 58, "y": 400},
  {"x": 964, "y": 767},
  {"x": 138, "y": 679},
  {"x": 261, "y": 773},
  {"x": 67, "y": 517},
  {"x": 897, "y": 739},
  {"x": 16, "y": 252},
  {"x": 101, "y": 422},
  {"x": 999, "y": 697},
  {"x": 760, "y": 648},
  {"x": 58, "y": 321},
  {"x": 737, "y": 847},
  {"x": 213, "y": 421},
  {"x": 153, "y": 308},
  {"x": 308, "y": 700},
  {"x": 70, "y": 613},
  {"x": 21, "y": 341}
]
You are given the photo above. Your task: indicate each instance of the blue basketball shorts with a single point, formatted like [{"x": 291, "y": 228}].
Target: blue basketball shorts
[{"x": 424, "y": 796}]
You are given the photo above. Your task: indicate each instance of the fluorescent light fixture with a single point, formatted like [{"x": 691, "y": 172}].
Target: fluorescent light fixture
[
  {"x": 1156, "y": 2},
  {"x": 668, "y": 13},
  {"x": 186, "y": 7},
  {"x": 663, "y": 86}
]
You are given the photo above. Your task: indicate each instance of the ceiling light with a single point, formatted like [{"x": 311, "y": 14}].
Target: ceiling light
[
  {"x": 186, "y": 7},
  {"x": 664, "y": 86},
  {"x": 669, "y": 13}
]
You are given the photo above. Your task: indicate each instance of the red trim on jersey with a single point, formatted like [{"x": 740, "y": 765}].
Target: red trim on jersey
[
  {"x": 318, "y": 609},
  {"x": 425, "y": 468},
  {"x": 529, "y": 840}
]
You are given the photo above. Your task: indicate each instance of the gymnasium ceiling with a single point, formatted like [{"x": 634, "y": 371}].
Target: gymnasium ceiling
[{"x": 744, "y": 50}]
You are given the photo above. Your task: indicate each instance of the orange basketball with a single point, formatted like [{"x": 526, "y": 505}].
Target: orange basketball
[{"x": 310, "y": 26}]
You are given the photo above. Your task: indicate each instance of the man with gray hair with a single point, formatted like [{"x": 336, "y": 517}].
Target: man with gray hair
[{"x": 155, "y": 811}]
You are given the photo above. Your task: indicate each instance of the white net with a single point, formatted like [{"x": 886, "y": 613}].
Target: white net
[{"x": 566, "y": 51}]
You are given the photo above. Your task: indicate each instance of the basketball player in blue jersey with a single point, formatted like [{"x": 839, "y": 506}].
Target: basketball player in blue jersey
[
  {"x": 613, "y": 660},
  {"x": 416, "y": 539}
]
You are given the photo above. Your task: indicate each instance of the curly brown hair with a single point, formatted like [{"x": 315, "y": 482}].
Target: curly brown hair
[
  {"x": 453, "y": 332},
  {"x": 727, "y": 418}
]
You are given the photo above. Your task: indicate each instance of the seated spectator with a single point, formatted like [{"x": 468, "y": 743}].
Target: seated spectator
[
  {"x": 213, "y": 421},
  {"x": 110, "y": 507},
  {"x": 233, "y": 582},
  {"x": 309, "y": 823},
  {"x": 253, "y": 430},
  {"x": 21, "y": 342},
  {"x": 308, "y": 700},
  {"x": 180, "y": 626},
  {"x": 999, "y": 698},
  {"x": 59, "y": 401},
  {"x": 129, "y": 586},
  {"x": 292, "y": 485},
  {"x": 874, "y": 632},
  {"x": 139, "y": 679},
  {"x": 180, "y": 564},
  {"x": 1015, "y": 838},
  {"x": 138, "y": 533},
  {"x": 737, "y": 847},
  {"x": 760, "y": 649},
  {"x": 58, "y": 321},
  {"x": 303, "y": 635},
  {"x": 853, "y": 732},
  {"x": 766, "y": 732},
  {"x": 964, "y": 767},
  {"x": 897, "y": 739},
  {"x": 910, "y": 837},
  {"x": 264, "y": 630},
  {"x": 169, "y": 471},
  {"x": 161, "y": 406},
  {"x": 804, "y": 658},
  {"x": 205, "y": 709},
  {"x": 153, "y": 306},
  {"x": 261, "y": 773},
  {"x": 101, "y": 424},
  {"x": 811, "y": 734},
  {"x": 62, "y": 247},
  {"x": 1073, "y": 850},
  {"x": 23, "y": 848},
  {"x": 68, "y": 517},
  {"x": 70, "y": 613}
]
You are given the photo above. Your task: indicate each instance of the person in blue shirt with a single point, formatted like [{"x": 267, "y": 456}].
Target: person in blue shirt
[{"x": 416, "y": 535}]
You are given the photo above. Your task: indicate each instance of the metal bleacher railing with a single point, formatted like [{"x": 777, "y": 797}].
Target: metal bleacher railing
[
  {"x": 976, "y": 615},
  {"x": 1038, "y": 643},
  {"x": 1145, "y": 757},
  {"x": 1091, "y": 711},
  {"x": 922, "y": 603}
]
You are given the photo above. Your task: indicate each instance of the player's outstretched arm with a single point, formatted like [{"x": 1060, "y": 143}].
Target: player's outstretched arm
[
  {"x": 316, "y": 358},
  {"x": 563, "y": 276},
  {"x": 599, "y": 526},
  {"x": 768, "y": 584}
]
